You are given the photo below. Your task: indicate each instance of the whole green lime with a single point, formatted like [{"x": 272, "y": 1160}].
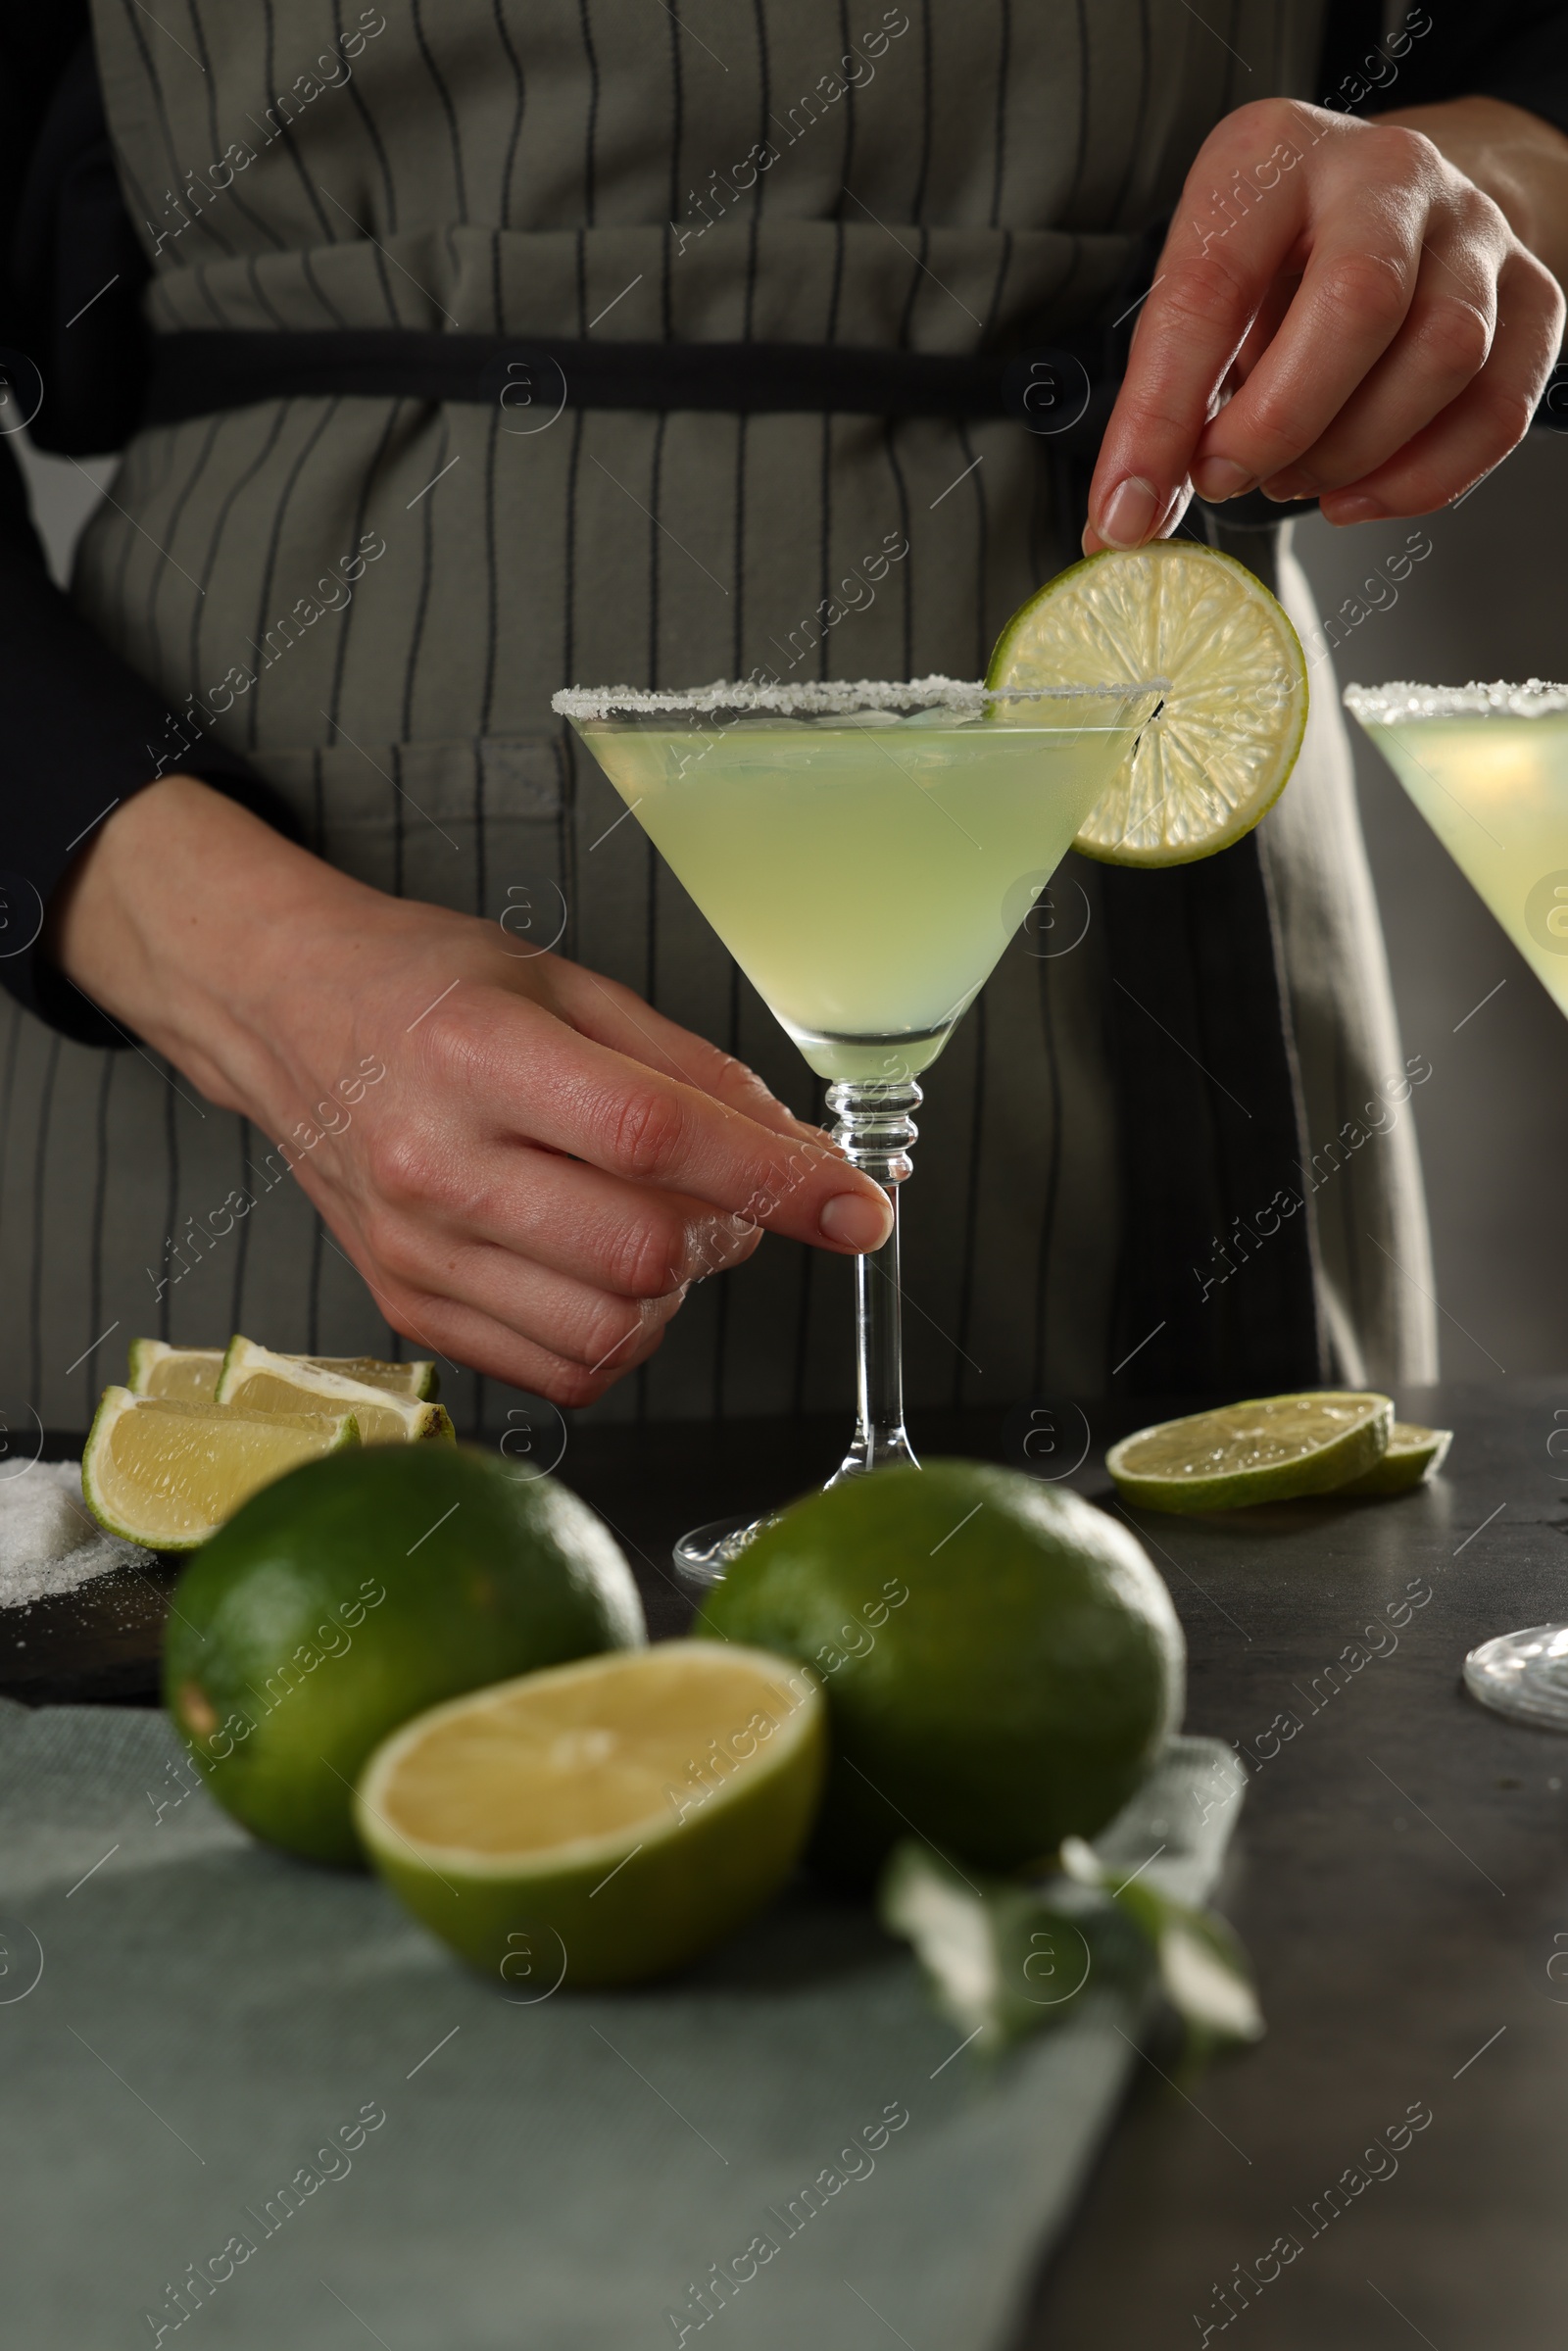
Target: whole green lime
[
  {"x": 1002, "y": 1663},
  {"x": 358, "y": 1591}
]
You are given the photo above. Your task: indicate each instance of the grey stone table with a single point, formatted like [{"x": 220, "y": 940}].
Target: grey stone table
[{"x": 1399, "y": 1875}]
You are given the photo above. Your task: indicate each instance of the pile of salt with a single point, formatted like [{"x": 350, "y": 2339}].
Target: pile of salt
[{"x": 49, "y": 1539}]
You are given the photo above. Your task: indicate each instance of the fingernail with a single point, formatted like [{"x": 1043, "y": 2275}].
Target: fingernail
[
  {"x": 1129, "y": 512},
  {"x": 1354, "y": 509},
  {"x": 854, "y": 1222},
  {"x": 1281, "y": 486},
  {"x": 1220, "y": 477}
]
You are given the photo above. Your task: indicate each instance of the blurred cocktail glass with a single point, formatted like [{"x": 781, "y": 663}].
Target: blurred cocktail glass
[{"x": 1488, "y": 767}]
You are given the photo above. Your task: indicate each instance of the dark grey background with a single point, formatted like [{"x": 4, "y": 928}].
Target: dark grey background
[{"x": 1490, "y": 601}]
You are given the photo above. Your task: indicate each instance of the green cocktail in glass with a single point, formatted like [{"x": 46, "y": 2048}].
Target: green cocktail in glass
[{"x": 865, "y": 853}]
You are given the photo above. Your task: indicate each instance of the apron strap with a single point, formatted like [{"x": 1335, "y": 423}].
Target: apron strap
[{"x": 1053, "y": 391}]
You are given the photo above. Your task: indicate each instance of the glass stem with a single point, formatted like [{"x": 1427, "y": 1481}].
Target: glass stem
[{"x": 875, "y": 1129}]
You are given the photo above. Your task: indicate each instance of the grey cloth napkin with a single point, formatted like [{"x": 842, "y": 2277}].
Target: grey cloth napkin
[{"x": 252, "y": 2104}]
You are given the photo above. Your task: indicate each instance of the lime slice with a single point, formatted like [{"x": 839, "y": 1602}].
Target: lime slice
[
  {"x": 417, "y": 1376},
  {"x": 1266, "y": 1450},
  {"x": 604, "y": 1821},
  {"x": 1415, "y": 1454},
  {"x": 255, "y": 1379},
  {"x": 168, "y": 1474},
  {"x": 189, "y": 1373},
  {"x": 1218, "y": 753}
]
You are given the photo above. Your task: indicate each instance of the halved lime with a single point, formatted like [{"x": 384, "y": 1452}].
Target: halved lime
[
  {"x": 1217, "y": 755},
  {"x": 1415, "y": 1454},
  {"x": 255, "y": 1379},
  {"x": 1268, "y": 1449},
  {"x": 189, "y": 1373},
  {"x": 599, "y": 1822},
  {"x": 168, "y": 1474}
]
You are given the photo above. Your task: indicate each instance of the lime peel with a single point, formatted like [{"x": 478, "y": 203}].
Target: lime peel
[{"x": 1416, "y": 1454}]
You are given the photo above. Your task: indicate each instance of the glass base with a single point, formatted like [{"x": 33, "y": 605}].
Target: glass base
[
  {"x": 1522, "y": 1675},
  {"x": 702, "y": 1555}
]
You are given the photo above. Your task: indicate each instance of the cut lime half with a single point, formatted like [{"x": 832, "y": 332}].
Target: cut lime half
[
  {"x": 1269, "y": 1450},
  {"x": 599, "y": 1822},
  {"x": 1218, "y": 753},
  {"x": 168, "y": 1474}
]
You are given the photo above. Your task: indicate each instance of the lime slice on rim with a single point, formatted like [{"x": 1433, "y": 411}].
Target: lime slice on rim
[
  {"x": 1415, "y": 1454},
  {"x": 1217, "y": 755},
  {"x": 168, "y": 1474},
  {"x": 604, "y": 1821},
  {"x": 255, "y": 1379},
  {"x": 1268, "y": 1449}
]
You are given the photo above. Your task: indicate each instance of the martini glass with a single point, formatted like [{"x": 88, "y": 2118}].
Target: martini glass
[
  {"x": 865, "y": 853},
  {"x": 1488, "y": 769}
]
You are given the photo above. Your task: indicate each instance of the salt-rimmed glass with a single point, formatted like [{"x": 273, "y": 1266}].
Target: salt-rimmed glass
[
  {"x": 865, "y": 852},
  {"x": 1488, "y": 767}
]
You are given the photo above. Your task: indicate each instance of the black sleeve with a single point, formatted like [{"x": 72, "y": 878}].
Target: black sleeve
[
  {"x": 81, "y": 731},
  {"x": 1512, "y": 49}
]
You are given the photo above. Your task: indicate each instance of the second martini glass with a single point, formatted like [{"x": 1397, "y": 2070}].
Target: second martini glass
[
  {"x": 1488, "y": 767},
  {"x": 865, "y": 853}
]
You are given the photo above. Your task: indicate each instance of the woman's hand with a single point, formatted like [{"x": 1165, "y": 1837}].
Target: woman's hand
[
  {"x": 1340, "y": 313},
  {"x": 546, "y": 1165}
]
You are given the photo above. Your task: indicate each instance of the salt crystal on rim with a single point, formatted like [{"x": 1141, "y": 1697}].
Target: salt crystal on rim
[
  {"x": 1385, "y": 705},
  {"x": 49, "y": 1539},
  {"x": 824, "y": 698}
]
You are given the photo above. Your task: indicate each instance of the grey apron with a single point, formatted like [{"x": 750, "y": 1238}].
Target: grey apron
[{"x": 374, "y": 599}]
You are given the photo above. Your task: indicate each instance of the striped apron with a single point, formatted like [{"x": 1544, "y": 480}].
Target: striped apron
[{"x": 373, "y": 598}]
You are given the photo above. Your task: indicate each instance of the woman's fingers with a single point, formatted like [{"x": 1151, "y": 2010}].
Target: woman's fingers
[
  {"x": 1490, "y": 417},
  {"x": 633, "y": 1240},
  {"x": 1350, "y": 304},
  {"x": 583, "y": 1325},
  {"x": 1218, "y": 265},
  {"x": 1442, "y": 346},
  {"x": 1392, "y": 262},
  {"x": 524, "y": 1071},
  {"x": 463, "y": 1334},
  {"x": 613, "y": 1015}
]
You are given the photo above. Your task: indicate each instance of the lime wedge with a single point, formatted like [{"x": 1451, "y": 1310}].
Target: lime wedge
[
  {"x": 1266, "y": 1450},
  {"x": 1415, "y": 1454},
  {"x": 189, "y": 1373},
  {"x": 192, "y": 1372},
  {"x": 168, "y": 1474},
  {"x": 1217, "y": 755},
  {"x": 417, "y": 1376},
  {"x": 255, "y": 1379},
  {"x": 604, "y": 1821}
]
